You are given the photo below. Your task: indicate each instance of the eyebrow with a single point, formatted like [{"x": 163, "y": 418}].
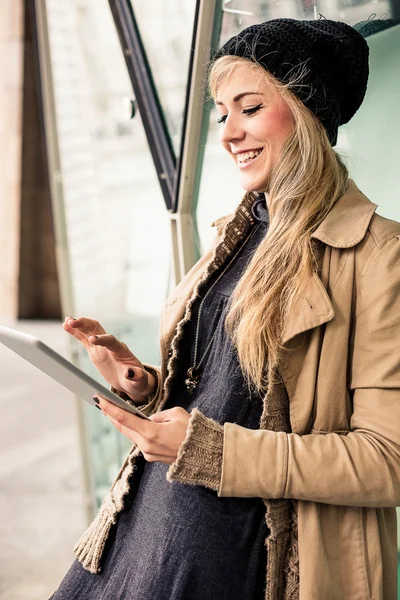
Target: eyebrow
[{"x": 240, "y": 96}]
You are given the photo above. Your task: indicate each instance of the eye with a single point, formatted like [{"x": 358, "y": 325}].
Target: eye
[
  {"x": 251, "y": 111},
  {"x": 245, "y": 111}
]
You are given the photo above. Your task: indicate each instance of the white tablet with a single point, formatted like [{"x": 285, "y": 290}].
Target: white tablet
[{"x": 60, "y": 369}]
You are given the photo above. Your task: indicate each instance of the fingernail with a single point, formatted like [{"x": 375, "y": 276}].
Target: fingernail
[
  {"x": 98, "y": 407},
  {"x": 131, "y": 373},
  {"x": 95, "y": 398},
  {"x": 96, "y": 336}
]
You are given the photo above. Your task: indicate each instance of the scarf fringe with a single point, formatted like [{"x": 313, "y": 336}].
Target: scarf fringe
[
  {"x": 90, "y": 547},
  {"x": 282, "y": 578},
  {"x": 292, "y": 569}
]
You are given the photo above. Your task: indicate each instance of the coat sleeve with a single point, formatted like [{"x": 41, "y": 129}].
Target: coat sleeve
[{"x": 361, "y": 468}]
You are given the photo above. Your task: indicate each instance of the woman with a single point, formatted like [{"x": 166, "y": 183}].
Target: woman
[{"x": 275, "y": 412}]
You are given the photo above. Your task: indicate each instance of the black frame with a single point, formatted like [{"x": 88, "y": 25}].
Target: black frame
[
  {"x": 168, "y": 166},
  {"x": 147, "y": 98}
]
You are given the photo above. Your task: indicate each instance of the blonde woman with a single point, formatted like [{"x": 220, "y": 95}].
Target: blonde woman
[{"x": 271, "y": 464}]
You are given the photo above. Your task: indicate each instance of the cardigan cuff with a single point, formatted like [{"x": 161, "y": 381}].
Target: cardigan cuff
[{"x": 199, "y": 460}]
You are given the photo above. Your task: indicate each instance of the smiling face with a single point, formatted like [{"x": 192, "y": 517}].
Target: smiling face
[{"x": 255, "y": 122}]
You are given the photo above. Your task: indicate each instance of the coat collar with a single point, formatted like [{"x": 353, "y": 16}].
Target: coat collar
[
  {"x": 347, "y": 222},
  {"x": 344, "y": 226}
]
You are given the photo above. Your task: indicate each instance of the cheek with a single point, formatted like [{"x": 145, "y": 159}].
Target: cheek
[
  {"x": 285, "y": 121},
  {"x": 280, "y": 126}
]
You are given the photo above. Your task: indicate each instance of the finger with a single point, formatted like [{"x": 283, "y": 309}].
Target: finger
[
  {"x": 76, "y": 333},
  {"x": 133, "y": 436},
  {"x": 147, "y": 445},
  {"x": 125, "y": 419},
  {"x": 110, "y": 342},
  {"x": 137, "y": 377},
  {"x": 135, "y": 374},
  {"x": 160, "y": 417},
  {"x": 148, "y": 448},
  {"x": 88, "y": 326},
  {"x": 165, "y": 416}
]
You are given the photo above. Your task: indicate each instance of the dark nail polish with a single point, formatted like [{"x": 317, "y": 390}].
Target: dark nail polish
[
  {"x": 131, "y": 373},
  {"x": 95, "y": 398},
  {"x": 98, "y": 407},
  {"x": 96, "y": 336}
]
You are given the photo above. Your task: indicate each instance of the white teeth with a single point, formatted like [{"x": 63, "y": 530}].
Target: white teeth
[{"x": 246, "y": 156}]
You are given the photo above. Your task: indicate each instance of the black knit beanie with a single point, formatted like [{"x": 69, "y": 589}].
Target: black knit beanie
[{"x": 335, "y": 55}]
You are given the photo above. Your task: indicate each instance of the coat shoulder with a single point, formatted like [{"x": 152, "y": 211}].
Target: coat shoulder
[
  {"x": 379, "y": 233},
  {"x": 382, "y": 230}
]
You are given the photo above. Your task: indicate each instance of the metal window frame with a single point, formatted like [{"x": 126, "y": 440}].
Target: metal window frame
[
  {"x": 184, "y": 233},
  {"x": 179, "y": 179},
  {"x": 139, "y": 70}
]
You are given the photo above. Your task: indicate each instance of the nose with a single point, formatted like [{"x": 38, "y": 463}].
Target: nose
[{"x": 231, "y": 130}]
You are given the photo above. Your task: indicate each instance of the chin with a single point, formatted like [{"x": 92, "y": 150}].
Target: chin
[
  {"x": 258, "y": 188},
  {"x": 257, "y": 185}
]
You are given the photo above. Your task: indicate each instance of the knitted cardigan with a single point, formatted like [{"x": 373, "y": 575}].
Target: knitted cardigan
[{"x": 199, "y": 459}]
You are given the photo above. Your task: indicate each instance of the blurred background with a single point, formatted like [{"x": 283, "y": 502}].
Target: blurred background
[{"x": 110, "y": 176}]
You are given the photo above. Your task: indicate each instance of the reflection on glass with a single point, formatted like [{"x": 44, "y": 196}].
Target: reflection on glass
[
  {"x": 371, "y": 140},
  {"x": 166, "y": 29},
  {"x": 117, "y": 226},
  {"x": 220, "y": 190},
  {"x": 348, "y": 11}
]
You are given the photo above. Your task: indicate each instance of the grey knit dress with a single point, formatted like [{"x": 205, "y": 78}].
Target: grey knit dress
[{"x": 181, "y": 542}]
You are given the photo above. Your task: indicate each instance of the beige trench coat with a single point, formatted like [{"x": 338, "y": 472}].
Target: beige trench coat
[{"x": 342, "y": 373}]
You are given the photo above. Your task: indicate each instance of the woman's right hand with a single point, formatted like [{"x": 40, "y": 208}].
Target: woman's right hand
[{"x": 112, "y": 359}]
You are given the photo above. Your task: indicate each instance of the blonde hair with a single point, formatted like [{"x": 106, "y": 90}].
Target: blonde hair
[{"x": 303, "y": 186}]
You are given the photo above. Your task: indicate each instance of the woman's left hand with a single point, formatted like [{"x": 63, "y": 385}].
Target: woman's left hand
[{"x": 158, "y": 439}]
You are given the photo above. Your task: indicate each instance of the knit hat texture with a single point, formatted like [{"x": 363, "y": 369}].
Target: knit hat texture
[{"x": 328, "y": 59}]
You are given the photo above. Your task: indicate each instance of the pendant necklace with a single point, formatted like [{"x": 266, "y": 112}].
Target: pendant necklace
[{"x": 193, "y": 373}]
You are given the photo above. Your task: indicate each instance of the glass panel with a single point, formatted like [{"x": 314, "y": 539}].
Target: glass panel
[
  {"x": 117, "y": 226},
  {"x": 166, "y": 29},
  {"x": 219, "y": 175},
  {"x": 371, "y": 141}
]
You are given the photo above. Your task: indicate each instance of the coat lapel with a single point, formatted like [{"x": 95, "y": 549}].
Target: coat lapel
[{"x": 311, "y": 309}]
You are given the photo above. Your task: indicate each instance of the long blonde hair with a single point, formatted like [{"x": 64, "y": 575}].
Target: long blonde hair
[{"x": 303, "y": 186}]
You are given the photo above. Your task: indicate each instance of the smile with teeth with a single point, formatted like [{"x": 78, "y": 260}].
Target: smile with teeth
[{"x": 246, "y": 157}]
